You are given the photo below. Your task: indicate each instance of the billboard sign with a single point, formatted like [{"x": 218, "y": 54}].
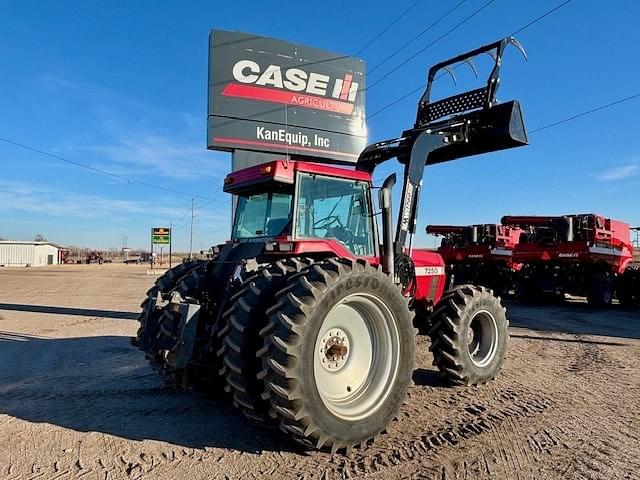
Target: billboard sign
[
  {"x": 161, "y": 236},
  {"x": 268, "y": 95}
]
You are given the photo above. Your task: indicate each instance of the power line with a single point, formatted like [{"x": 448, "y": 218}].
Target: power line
[
  {"x": 215, "y": 199},
  {"x": 585, "y": 113},
  {"x": 388, "y": 27},
  {"x": 95, "y": 169},
  {"x": 209, "y": 187},
  {"x": 409, "y": 42},
  {"x": 422, "y": 50},
  {"x": 396, "y": 101},
  {"x": 537, "y": 19},
  {"x": 184, "y": 215},
  {"x": 420, "y": 87}
]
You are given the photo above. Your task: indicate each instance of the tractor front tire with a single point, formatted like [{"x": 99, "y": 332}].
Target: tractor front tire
[
  {"x": 338, "y": 354},
  {"x": 469, "y": 335}
]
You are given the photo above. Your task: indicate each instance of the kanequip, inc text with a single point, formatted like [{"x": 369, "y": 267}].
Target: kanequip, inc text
[{"x": 280, "y": 135}]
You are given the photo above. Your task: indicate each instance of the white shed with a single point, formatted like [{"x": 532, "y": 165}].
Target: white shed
[{"x": 17, "y": 253}]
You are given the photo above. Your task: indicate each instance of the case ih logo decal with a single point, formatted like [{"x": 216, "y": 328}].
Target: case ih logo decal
[
  {"x": 569, "y": 255},
  {"x": 292, "y": 86}
]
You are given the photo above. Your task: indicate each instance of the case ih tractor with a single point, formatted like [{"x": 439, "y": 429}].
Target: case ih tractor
[
  {"x": 306, "y": 315},
  {"x": 584, "y": 254},
  {"x": 479, "y": 254}
]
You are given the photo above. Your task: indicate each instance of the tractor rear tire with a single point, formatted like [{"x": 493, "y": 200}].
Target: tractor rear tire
[
  {"x": 241, "y": 339},
  {"x": 469, "y": 335},
  {"x": 600, "y": 290},
  {"x": 338, "y": 354},
  {"x": 190, "y": 287},
  {"x": 202, "y": 371}
]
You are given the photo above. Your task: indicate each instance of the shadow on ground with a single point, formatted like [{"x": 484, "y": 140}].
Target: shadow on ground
[
  {"x": 429, "y": 378},
  {"x": 103, "y": 384},
  {"x": 85, "y": 312},
  {"x": 576, "y": 318}
]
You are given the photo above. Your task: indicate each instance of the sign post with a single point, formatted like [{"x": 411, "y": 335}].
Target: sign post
[
  {"x": 151, "y": 254},
  {"x": 160, "y": 236},
  {"x": 170, "y": 244}
]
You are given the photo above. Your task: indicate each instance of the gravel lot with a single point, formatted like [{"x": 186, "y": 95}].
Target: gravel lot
[{"x": 76, "y": 400}]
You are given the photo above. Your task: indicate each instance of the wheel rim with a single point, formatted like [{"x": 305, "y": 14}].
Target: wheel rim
[
  {"x": 356, "y": 356},
  {"x": 482, "y": 338}
]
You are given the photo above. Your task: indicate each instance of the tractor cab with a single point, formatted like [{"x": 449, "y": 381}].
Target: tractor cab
[{"x": 297, "y": 207}]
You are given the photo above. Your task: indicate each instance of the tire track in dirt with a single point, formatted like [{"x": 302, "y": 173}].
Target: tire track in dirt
[
  {"x": 478, "y": 418},
  {"x": 515, "y": 454},
  {"x": 589, "y": 356},
  {"x": 127, "y": 465},
  {"x": 594, "y": 435},
  {"x": 594, "y": 454}
]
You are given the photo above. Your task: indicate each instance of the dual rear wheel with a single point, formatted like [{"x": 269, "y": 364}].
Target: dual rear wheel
[{"x": 335, "y": 351}]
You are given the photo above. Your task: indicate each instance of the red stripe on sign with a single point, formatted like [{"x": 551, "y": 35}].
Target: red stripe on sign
[
  {"x": 243, "y": 141},
  {"x": 346, "y": 85},
  {"x": 263, "y": 94}
]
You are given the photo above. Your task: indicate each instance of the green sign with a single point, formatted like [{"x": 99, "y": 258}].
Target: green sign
[
  {"x": 161, "y": 236},
  {"x": 159, "y": 240}
]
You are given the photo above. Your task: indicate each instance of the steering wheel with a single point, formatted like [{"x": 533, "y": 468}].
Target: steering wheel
[
  {"x": 327, "y": 222},
  {"x": 336, "y": 230}
]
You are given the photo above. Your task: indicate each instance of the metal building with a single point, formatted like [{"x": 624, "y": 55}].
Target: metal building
[{"x": 17, "y": 253}]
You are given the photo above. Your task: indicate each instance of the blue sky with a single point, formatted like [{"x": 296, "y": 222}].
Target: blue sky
[{"x": 122, "y": 86}]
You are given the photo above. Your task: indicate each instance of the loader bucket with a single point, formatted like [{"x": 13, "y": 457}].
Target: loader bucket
[{"x": 491, "y": 129}]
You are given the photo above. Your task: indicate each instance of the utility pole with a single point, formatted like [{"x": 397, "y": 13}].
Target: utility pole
[
  {"x": 170, "y": 241},
  {"x": 191, "y": 234}
]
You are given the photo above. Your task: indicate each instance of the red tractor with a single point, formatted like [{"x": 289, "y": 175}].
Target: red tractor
[
  {"x": 306, "y": 315},
  {"x": 479, "y": 254},
  {"x": 584, "y": 254}
]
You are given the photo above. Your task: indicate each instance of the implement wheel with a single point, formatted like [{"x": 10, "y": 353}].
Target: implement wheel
[
  {"x": 600, "y": 290},
  {"x": 628, "y": 288},
  {"x": 469, "y": 335},
  {"x": 338, "y": 354}
]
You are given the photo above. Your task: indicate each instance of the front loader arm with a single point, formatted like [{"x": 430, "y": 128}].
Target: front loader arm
[{"x": 426, "y": 143}]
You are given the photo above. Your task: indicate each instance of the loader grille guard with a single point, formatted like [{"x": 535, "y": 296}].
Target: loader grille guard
[{"x": 462, "y": 125}]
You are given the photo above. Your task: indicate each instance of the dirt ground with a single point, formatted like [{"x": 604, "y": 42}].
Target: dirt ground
[{"x": 76, "y": 400}]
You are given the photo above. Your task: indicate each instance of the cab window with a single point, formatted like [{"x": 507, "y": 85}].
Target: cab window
[{"x": 334, "y": 208}]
